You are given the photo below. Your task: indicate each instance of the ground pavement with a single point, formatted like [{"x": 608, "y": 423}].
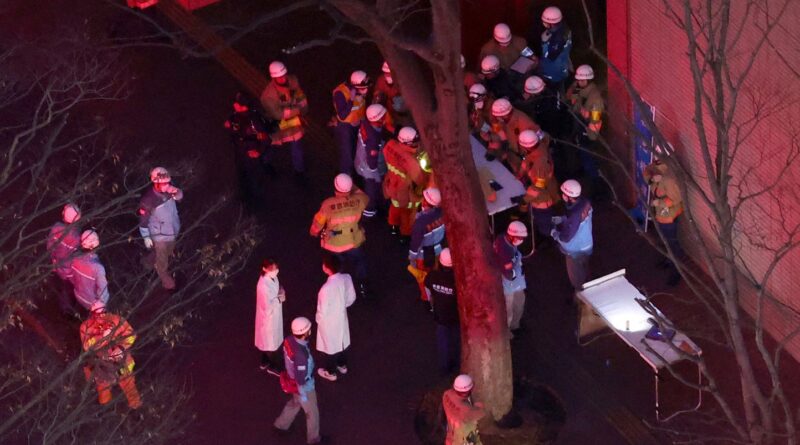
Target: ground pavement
[{"x": 178, "y": 106}]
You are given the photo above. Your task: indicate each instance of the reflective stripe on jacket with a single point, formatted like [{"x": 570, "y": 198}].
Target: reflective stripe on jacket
[
  {"x": 338, "y": 221},
  {"x": 352, "y": 110}
]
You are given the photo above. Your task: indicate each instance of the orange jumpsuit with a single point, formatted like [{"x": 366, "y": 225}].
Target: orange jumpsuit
[
  {"x": 403, "y": 184},
  {"x": 109, "y": 337}
]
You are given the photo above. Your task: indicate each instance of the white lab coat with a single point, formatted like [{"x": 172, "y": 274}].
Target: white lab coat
[
  {"x": 333, "y": 330},
  {"x": 269, "y": 314}
]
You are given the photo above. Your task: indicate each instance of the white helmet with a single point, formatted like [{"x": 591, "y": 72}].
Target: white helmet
[
  {"x": 552, "y": 15},
  {"x": 70, "y": 213},
  {"x": 98, "y": 307},
  {"x": 463, "y": 62},
  {"x": 375, "y": 112},
  {"x": 584, "y": 72},
  {"x": 463, "y": 383},
  {"x": 433, "y": 196},
  {"x": 571, "y": 188},
  {"x": 343, "y": 183},
  {"x": 445, "y": 258},
  {"x": 528, "y": 139},
  {"x": 490, "y": 64},
  {"x": 385, "y": 68},
  {"x": 501, "y": 107},
  {"x": 516, "y": 228},
  {"x": 359, "y": 79},
  {"x": 502, "y": 33},
  {"x": 534, "y": 85},
  {"x": 277, "y": 69},
  {"x": 301, "y": 325},
  {"x": 407, "y": 135},
  {"x": 159, "y": 175},
  {"x": 477, "y": 92},
  {"x": 89, "y": 239}
]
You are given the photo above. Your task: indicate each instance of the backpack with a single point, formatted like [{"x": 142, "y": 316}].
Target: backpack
[{"x": 288, "y": 384}]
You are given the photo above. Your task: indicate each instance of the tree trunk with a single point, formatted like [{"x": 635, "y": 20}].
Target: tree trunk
[{"x": 486, "y": 354}]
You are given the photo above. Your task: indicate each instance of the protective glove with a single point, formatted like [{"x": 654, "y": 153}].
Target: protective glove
[
  {"x": 656, "y": 203},
  {"x": 148, "y": 242},
  {"x": 556, "y": 220},
  {"x": 554, "y": 234}
]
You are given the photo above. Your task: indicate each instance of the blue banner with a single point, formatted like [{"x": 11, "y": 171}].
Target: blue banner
[{"x": 643, "y": 154}]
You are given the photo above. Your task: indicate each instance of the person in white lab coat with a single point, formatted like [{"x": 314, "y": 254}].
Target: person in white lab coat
[
  {"x": 333, "y": 330},
  {"x": 269, "y": 317}
]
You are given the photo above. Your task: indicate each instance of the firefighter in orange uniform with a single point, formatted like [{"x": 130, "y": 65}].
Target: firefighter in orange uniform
[
  {"x": 349, "y": 104},
  {"x": 462, "y": 413},
  {"x": 108, "y": 338},
  {"x": 286, "y": 103},
  {"x": 337, "y": 223},
  {"x": 387, "y": 93},
  {"x": 503, "y": 136},
  {"x": 404, "y": 181},
  {"x": 537, "y": 172}
]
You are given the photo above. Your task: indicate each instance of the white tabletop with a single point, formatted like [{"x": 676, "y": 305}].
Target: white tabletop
[
  {"x": 495, "y": 170},
  {"x": 613, "y": 298}
]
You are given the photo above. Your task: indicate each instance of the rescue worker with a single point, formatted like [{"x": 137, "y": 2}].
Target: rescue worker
[
  {"x": 503, "y": 45},
  {"x": 337, "y": 223},
  {"x": 479, "y": 103},
  {"x": 333, "y": 327},
  {"x": 88, "y": 274},
  {"x": 542, "y": 106},
  {"x": 403, "y": 182},
  {"x": 108, "y": 339},
  {"x": 503, "y": 136},
  {"x": 427, "y": 236},
  {"x": 462, "y": 413},
  {"x": 285, "y": 102},
  {"x": 470, "y": 76},
  {"x": 349, "y": 104},
  {"x": 496, "y": 79},
  {"x": 440, "y": 284},
  {"x": 369, "y": 162},
  {"x": 537, "y": 173},
  {"x": 300, "y": 369},
  {"x": 556, "y": 45},
  {"x": 506, "y": 247},
  {"x": 387, "y": 93},
  {"x": 573, "y": 232},
  {"x": 667, "y": 203},
  {"x": 270, "y": 297},
  {"x": 587, "y": 109},
  {"x": 248, "y": 131},
  {"x": 159, "y": 223},
  {"x": 63, "y": 242}
]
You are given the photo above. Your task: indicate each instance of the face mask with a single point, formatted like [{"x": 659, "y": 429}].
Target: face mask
[
  {"x": 479, "y": 105},
  {"x": 389, "y": 79},
  {"x": 516, "y": 242}
]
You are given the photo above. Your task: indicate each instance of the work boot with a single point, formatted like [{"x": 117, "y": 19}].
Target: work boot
[
  {"x": 395, "y": 230},
  {"x": 404, "y": 240}
]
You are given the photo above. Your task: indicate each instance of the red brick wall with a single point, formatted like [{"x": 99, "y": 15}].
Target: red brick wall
[{"x": 652, "y": 50}]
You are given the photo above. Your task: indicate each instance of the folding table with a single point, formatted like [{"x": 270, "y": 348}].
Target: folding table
[{"x": 611, "y": 302}]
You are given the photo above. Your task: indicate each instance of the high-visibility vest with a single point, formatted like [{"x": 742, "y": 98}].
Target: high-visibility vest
[{"x": 359, "y": 108}]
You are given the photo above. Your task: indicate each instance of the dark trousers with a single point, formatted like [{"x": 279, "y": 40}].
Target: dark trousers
[
  {"x": 345, "y": 135},
  {"x": 542, "y": 220},
  {"x": 448, "y": 345},
  {"x": 355, "y": 263},
  {"x": 66, "y": 296},
  {"x": 331, "y": 361},
  {"x": 375, "y": 193},
  {"x": 670, "y": 232}
]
